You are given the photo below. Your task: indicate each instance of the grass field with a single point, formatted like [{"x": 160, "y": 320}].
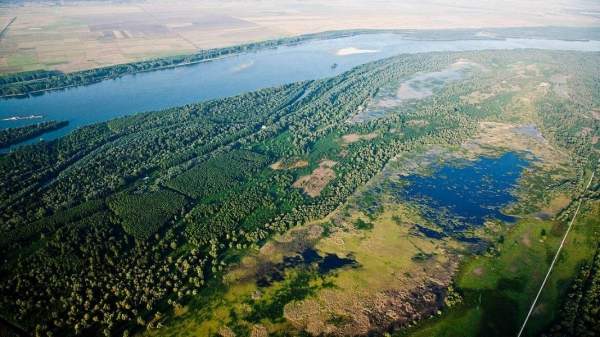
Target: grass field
[{"x": 499, "y": 289}]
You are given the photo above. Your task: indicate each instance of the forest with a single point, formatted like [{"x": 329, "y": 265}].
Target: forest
[
  {"x": 111, "y": 228},
  {"x": 579, "y": 315},
  {"x": 12, "y": 136}
]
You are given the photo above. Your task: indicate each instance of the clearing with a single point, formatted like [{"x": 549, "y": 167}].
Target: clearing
[
  {"x": 314, "y": 183},
  {"x": 288, "y": 165}
]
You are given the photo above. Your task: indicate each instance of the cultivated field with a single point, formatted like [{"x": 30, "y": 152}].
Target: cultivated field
[{"x": 81, "y": 35}]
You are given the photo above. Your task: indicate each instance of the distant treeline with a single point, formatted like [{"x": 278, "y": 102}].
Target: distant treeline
[
  {"x": 25, "y": 83},
  {"x": 12, "y": 136}
]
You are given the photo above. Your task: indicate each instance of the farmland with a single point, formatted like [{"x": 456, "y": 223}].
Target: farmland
[
  {"x": 279, "y": 211},
  {"x": 82, "y": 35}
]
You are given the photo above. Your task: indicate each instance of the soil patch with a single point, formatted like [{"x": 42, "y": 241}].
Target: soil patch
[
  {"x": 526, "y": 240},
  {"x": 355, "y": 137},
  {"x": 314, "y": 183},
  {"x": 283, "y": 165}
]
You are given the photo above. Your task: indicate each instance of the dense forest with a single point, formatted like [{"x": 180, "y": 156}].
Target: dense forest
[
  {"x": 32, "y": 82},
  {"x": 108, "y": 229},
  {"x": 16, "y": 135}
]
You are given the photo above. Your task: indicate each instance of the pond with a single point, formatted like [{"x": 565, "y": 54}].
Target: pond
[
  {"x": 459, "y": 196},
  {"x": 307, "y": 258},
  {"x": 234, "y": 75}
]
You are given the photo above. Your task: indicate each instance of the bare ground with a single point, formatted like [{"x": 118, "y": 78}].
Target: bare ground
[
  {"x": 314, "y": 183},
  {"x": 355, "y": 137},
  {"x": 281, "y": 165}
]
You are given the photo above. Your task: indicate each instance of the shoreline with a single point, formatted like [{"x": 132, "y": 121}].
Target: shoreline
[{"x": 497, "y": 34}]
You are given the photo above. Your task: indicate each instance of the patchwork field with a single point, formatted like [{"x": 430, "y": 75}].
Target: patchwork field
[{"x": 76, "y": 35}]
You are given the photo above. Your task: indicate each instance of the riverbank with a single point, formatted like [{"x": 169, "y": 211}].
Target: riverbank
[{"x": 40, "y": 81}]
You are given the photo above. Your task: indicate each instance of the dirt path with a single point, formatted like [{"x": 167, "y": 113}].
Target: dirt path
[{"x": 554, "y": 260}]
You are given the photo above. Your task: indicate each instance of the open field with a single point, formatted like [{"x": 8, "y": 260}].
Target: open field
[{"x": 88, "y": 34}]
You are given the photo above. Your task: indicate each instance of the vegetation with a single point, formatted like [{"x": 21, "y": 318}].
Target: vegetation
[
  {"x": 219, "y": 175},
  {"x": 116, "y": 225},
  {"x": 16, "y": 135},
  {"x": 142, "y": 214},
  {"x": 579, "y": 315},
  {"x": 363, "y": 225},
  {"x": 294, "y": 288}
]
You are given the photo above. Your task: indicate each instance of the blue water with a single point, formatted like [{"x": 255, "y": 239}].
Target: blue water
[
  {"x": 457, "y": 197},
  {"x": 234, "y": 75}
]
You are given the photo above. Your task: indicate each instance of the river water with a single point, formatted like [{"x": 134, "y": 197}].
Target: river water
[{"x": 234, "y": 75}]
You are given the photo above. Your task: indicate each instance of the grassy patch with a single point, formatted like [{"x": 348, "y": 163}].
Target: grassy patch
[
  {"x": 362, "y": 225},
  {"x": 295, "y": 287},
  {"x": 325, "y": 147}
]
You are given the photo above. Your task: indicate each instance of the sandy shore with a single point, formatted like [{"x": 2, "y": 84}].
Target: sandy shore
[{"x": 353, "y": 50}]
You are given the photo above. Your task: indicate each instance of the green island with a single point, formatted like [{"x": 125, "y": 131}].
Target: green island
[
  {"x": 281, "y": 212},
  {"x": 16, "y": 135}
]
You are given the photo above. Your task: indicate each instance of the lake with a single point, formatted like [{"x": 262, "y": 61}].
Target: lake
[
  {"x": 234, "y": 75},
  {"x": 457, "y": 196}
]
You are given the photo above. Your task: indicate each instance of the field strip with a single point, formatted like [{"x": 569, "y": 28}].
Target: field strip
[
  {"x": 554, "y": 260},
  {"x": 172, "y": 30}
]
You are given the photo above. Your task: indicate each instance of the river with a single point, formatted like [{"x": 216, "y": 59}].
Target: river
[{"x": 234, "y": 75}]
